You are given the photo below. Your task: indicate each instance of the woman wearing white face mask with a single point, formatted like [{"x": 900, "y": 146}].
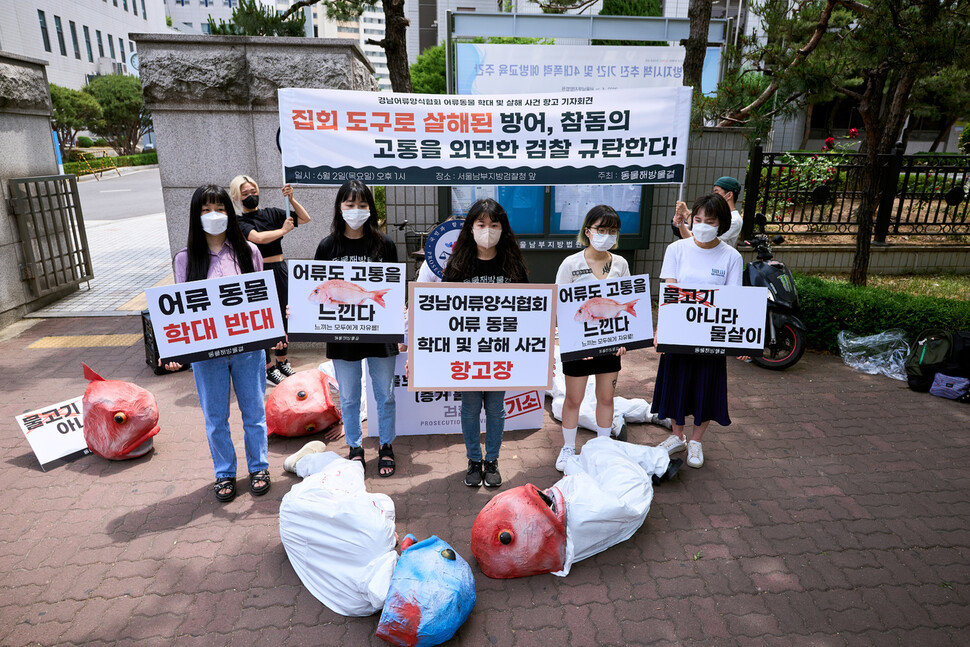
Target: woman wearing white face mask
[
  {"x": 599, "y": 233},
  {"x": 356, "y": 237},
  {"x": 697, "y": 384}
]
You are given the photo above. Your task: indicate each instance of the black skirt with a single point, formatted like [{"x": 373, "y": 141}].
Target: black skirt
[
  {"x": 692, "y": 385},
  {"x": 594, "y": 366}
]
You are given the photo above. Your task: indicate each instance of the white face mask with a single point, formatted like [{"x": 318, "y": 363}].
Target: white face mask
[
  {"x": 214, "y": 222},
  {"x": 602, "y": 242},
  {"x": 487, "y": 237},
  {"x": 355, "y": 218},
  {"x": 704, "y": 233}
]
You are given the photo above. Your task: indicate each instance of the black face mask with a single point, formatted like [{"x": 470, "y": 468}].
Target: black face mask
[{"x": 251, "y": 201}]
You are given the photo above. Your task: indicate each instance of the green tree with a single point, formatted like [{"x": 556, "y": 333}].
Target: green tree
[
  {"x": 630, "y": 8},
  {"x": 74, "y": 111},
  {"x": 944, "y": 97},
  {"x": 250, "y": 18},
  {"x": 428, "y": 71},
  {"x": 124, "y": 118}
]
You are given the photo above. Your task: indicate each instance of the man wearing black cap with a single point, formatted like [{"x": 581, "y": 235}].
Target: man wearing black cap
[{"x": 728, "y": 188}]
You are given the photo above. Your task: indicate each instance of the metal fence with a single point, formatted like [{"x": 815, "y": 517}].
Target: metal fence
[
  {"x": 816, "y": 194},
  {"x": 51, "y": 228}
]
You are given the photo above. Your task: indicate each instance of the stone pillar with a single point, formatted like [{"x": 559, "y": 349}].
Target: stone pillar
[
  {"x": 214, "y": 107},
  {"x": 27, "y": 151}
]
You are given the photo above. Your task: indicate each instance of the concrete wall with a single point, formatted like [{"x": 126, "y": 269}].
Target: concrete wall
[
  {"x": 26, "y": 150},
  {"x": 895, "y": 259},
  {"x": 214, "y": 107}
]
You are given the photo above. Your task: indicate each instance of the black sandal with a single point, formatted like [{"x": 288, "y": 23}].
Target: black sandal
[
  {"x": 226, "y": 483},
  {"x": 385, "y": 461},
  {"x": 357, "y": 454},
  {"x": 261, "y": 475}
]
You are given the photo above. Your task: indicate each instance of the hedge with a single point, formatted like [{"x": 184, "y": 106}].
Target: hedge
[
  {"x": 831, "y": 306},
  {"x": 141, "y": 159}
]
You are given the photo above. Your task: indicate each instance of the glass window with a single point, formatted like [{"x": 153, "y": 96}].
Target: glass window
[
  {"x": 111, "y": 45},
  {"x": 87, "y": 44},
  {"x": 143, "y": 14},
  {"x": 121, "y": 49},
  {"x": 43, "y": 30},
  {"x": 205, "y": 28},
  {"x": 77, "y": 47},
  {"x": 100, "y": 43},
  {"x": 571, "y": 203},
  {"x": 60, "y": 35},
  {"x": 124, "y": 4}
]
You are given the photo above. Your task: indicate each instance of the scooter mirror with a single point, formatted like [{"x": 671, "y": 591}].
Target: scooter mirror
[
  {"x": 778, "y": 240},
  {"x": 760, "y": 221}
]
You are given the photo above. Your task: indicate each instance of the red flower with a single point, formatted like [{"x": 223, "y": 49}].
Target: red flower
[
  {"x": 824, "y": 148},
  {"x": 830, "y": 141},
  {"x": 853, "y": 133}
]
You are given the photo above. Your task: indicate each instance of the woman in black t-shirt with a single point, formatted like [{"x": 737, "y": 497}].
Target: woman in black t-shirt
[
  {"x": 486, "y": 251},
  {"x": 356, "y": 237},
  {"x": 265, "y": 228}
]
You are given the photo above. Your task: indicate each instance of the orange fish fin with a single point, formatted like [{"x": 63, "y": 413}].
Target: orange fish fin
[
  {"x": 629, "y": 307},
  {"x": 378, "y": 296},
  {"x": 90, "y": 375}
]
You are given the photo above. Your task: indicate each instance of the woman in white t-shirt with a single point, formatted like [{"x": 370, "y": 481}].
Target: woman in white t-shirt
[
  {"x": 697, "y": 384},
  {"x": 599, "y": 233}
]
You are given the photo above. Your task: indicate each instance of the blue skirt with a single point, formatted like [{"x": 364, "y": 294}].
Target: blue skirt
[{"x": 692, "y": 385}]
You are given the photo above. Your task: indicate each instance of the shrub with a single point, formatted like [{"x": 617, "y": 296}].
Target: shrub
[
  {"x": 101, "y": 141},
  {"x": 142, "y": 159},
  {"x": 85, "y": 142},
  {"x": 831, "y": 306}
]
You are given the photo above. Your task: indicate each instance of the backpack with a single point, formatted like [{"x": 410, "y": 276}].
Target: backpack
[{"x": 934, "y": 351}]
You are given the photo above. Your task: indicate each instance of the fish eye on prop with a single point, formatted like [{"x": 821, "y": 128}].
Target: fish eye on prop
[
  {"x": 121, "y": 418},
  {"x": 448, "y": 553},
  {"x": 310, "y": 428},
  {"x": 505, "y": 537},
  {"x": 301, "y": 395}
]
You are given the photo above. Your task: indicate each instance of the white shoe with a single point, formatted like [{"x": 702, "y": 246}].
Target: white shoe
[
  {"x": 695, "y": 455},
  {"x": 673, "y": 444},
  {"x": 312, "y": 447},
  {"x": 564, "y": 455}
]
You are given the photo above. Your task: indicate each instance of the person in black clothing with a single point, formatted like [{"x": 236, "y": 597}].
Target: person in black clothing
[
  {"x": 356, "y": 237},
  {"x": 486, "y": 251},
  {"x": 265, "y": 228}
]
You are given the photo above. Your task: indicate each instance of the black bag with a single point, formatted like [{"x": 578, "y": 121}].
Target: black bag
[
  {"x": 151, "y": 346},
  {"x": 937, "y": 351}
]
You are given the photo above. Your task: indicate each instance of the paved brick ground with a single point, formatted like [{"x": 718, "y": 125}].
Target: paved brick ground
[{"x": 834, "y": 511}]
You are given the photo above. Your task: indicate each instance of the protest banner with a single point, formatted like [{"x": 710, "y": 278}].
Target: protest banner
[
  {"x": 439, "y": 412},
  {"x": 711, "y": 319},
  {"x": 480, "y": 336},
  {"x": 346, "y": 301},
  {"x": 55, "y": 431},
  {"x": 635, "y": 136},
  {"x": 200, "y": 320},
  {"x": 598, "y": 317},
  {"x": 489, "y": 68}
]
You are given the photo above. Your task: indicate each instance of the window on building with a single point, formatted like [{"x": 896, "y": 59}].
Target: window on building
[
  {"x": 77, "y": 47},
  {"x": 87, "y": 43},
  {"x": 205, "y": 28},
  {"x": 100, "y": 43},
  {"x": 228, "y": 3},
  {"x": 116, "y": 2},
  {"x": 124, "y": 4},
  {"x": 187, "y": 24},
  {"x": 43, "y": 30},
  {"x": 111, "y": 45},
  {"x": 143, "y": 14},
  {"x": 60, "y": 35},
  {"x": 121, "y": 49}
]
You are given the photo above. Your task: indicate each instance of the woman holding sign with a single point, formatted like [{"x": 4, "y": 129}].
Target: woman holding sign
[
  {"x": 697, "y": 384},
  {"x": 266, "y": 227},
  {"x": 356, "y": 236},
  {"x": 599, "y": 234},
  {"x": 217, "y": 248},
  {"x": 486, "y": 251}
]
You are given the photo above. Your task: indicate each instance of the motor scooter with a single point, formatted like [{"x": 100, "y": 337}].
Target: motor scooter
[{"x": 784, "y": 331}]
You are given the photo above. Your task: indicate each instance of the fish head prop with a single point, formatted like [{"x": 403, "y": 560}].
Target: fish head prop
[
  {"x": 301, "y": 405},
  {"x": 120, "y": 418},
  {"x": 521, "y": 532},
  {"x": 431, "y": 595}
]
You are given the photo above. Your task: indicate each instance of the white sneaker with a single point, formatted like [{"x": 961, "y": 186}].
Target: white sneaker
[
  {"x": 312, "y": 447},
  {"x": 564, "y": 455},
  {"x": 695, "y": 455},
  {"x": 673, "y": 444}
]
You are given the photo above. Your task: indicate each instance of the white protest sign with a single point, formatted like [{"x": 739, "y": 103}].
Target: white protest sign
[
  {"x": 346, "y": 302},
  {"x": 439, "y": 412},
  {"x": 480, "y": 336},
  {"x": 55, "y": 431},
  {"x": 598, "y": 317},
  {"x": 199, "y": 320},
  {"x": 711, "y": 319},
  {"x": 632, "y": 136}
]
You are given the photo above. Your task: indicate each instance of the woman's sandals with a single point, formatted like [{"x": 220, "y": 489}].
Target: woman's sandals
[
  {"x": 385, "y": 461},
  {"x": 256, "y": 477}
]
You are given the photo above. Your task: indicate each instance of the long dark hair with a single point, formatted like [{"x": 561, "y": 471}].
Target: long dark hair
[
  {"x": 464, "y": 255},
  {"x": 714, "y": 205},
  {"x": 198, "y": 248},
  {"x": 354, "y": 190}
]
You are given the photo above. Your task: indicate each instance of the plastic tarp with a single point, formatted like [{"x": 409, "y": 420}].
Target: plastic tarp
[
  {"x": 608, "y": 491},
  {"x": 338, "y": 536},
  {"x": 883, "y": 353}
]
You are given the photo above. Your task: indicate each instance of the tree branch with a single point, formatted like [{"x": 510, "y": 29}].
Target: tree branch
[{"x": 296, "y": 6}]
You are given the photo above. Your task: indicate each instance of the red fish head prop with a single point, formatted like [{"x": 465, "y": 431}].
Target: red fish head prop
[
  {"x": 120, "y": 418},
  {"x": 301, "y": 405},
  {"x": 521, "y": 532}
]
